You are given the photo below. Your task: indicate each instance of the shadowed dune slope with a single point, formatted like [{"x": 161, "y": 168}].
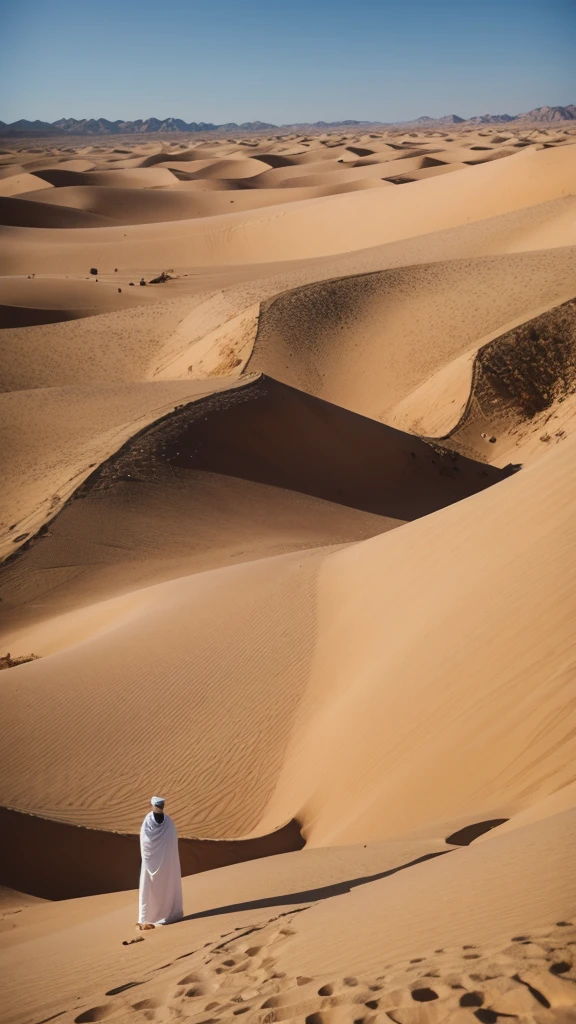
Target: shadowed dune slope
[
  {"x": 52, "y": 438},
  {"x": 148, "y": 177},
  {"x": 322, "y": 648},
  {"x": 258, "y": 470},
  {"x": 522, "y": 393},
  {"x": 132, "y": 206},
  {"x": 25, "y": 302},
  {"x": 37, "y": 214},
  {"x": 82, "y": 862},
  {"x": 97, "y": 206}
]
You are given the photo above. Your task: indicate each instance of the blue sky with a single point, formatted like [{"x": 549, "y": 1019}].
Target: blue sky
[{"x": 283, "y": 61}]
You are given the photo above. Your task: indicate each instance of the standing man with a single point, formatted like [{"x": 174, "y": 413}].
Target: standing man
[{"x": 160, "y": 877}]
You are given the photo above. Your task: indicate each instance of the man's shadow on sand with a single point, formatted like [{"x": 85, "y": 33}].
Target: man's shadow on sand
[{"x": 310, "y": 895}]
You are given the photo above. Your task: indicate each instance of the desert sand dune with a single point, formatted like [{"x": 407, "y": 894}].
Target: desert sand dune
[
  {"x": 142, "y": 206},
  {"x": 278, "y": 176},
  {"x": 499, "y": 547},
  {"x": 444, "y": 201},
  {"x": 55, "y": 451},
  {"x": 147, "y": 177},
  {"x": 39, "y": 214},
  {"x": 129, "y": 350},
  {"x": 472, "y": 155},
  {"x": 360, "y": 688},
  {"x": 183, "y": 620},
  {"x": 60, "y": 164},
  {"x": 162, "y": 342},
  {"x": 245, "y": 168},
  {"x": 10, "y": 170},
  {"x": 561, "y": 800},
  {"x": 390, "y": 171},
  {"x": 387, "y": 333},
  {"x": 28, "y": 301},
  {"x": 304, "y": 508},
  {"x": 396, "y": 167},
  {"x": 453, "y": 896},
  {"x": 194, "y": 154},
  {"x": 521, "y": 392},
  {"x": 258, "y": 947},
  {"x": 187, "y": 184},
  {"x": 373, "y": 154},
  {"x": 431, "y": 171},
  {"x": 317, "y": 154},
  {"x": 265, "y": 451},
  {"x": 16, "y": 184}
]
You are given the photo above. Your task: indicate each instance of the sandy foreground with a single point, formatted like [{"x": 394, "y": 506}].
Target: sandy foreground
[{"x": 288, "y": 519}]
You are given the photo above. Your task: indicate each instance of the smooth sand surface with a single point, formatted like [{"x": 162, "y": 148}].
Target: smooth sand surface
[{"x": 287, "y": 432}]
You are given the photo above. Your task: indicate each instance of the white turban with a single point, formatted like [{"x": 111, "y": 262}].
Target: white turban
[{"x": 157, "y": 801}]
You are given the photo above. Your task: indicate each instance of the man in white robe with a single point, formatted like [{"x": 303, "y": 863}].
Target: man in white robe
[{"x": 160, "y": 877}]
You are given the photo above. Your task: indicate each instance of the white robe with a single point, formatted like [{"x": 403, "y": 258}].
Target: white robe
[{"x": 160, "y": 877}]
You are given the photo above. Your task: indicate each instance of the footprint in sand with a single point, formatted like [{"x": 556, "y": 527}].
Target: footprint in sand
[
  {"x": 532, "y": 980},
  {"x": 95, "y": 1013}
]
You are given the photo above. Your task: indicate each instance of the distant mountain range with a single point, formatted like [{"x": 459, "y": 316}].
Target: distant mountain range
[{"x": 152, "y": 125}]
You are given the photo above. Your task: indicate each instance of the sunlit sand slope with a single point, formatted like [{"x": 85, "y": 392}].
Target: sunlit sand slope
[
  {"x": 320, "y": 698},
  {"x": 301, "y": 230},
  {"x": 368, "y": 342}
]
